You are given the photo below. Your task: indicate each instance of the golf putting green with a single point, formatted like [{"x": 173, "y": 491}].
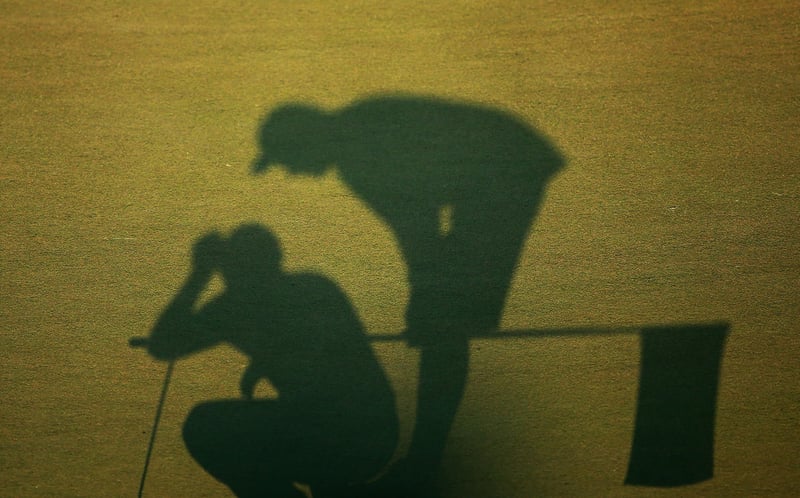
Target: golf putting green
[{"x": 129, "y": 131}]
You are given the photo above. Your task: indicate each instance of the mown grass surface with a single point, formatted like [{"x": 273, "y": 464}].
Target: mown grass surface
[{"x": 127, "y": 130}]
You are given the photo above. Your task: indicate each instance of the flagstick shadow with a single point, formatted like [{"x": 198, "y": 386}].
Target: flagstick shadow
[{"x": 673, "y": 436}]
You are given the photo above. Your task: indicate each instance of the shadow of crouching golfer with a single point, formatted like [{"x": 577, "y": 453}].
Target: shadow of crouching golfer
[
  {"x": 334, "y": 423},
  {"x": 459, "y": 185}
]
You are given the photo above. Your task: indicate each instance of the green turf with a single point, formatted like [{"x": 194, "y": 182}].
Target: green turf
[{"x": 127, "y": 130}]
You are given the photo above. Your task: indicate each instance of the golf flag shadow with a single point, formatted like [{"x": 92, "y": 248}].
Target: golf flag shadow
[
  {"x": 673, "y": 440},
  {"x": 673, "y": 437}
]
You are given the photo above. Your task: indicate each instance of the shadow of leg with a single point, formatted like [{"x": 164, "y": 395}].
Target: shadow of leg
[{"x": 234, "y": 442}]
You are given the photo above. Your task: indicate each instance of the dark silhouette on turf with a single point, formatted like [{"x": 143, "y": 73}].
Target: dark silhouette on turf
[
  {"x": 334, "y": 424},
  {"x": 459, "y": 185}
]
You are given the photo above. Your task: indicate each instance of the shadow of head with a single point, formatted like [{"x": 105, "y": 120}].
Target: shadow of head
[
  {"x": 297, "y": 136},
  {"x": 252, "y": 256}
]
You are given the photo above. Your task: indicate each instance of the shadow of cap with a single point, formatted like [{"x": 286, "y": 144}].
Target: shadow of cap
[{"x": 260, "y": 164}]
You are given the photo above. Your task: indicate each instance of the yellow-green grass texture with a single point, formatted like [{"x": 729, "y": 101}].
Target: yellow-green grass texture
[{"x": 127, "y": 130}]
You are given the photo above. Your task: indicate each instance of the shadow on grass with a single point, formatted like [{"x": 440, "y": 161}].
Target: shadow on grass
[
  {"x": 334, "y": 421},
  {"x": 459, "y": 185}
]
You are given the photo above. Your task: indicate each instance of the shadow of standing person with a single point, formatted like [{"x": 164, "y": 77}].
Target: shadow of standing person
[
  {"x": 334, "y": 422},
  {"x": 459, "y": 185}
]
